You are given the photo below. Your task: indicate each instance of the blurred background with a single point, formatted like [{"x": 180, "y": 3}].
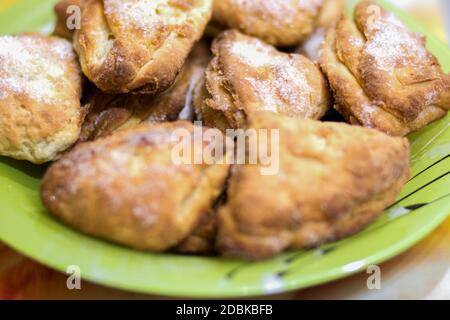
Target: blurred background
[{"x": 435, "y": 14}]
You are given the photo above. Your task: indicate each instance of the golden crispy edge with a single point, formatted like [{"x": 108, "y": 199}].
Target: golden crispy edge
[
  {"x": 349, "y": 86},
  {"x": 60, "y": 9},
  {"x": 60, "y": 176},
  {"x": 283, "y": 29}
]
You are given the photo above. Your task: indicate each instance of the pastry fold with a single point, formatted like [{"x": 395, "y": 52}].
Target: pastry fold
[
  {"x": 138, "y": 45},
  {"x": 382, "y": 75},
  {"x": 247, "y": 75},
  {"x": 333, "y": 180}
]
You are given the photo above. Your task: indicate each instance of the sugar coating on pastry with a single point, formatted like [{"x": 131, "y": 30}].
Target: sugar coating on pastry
[
  {"x": 330, "y": 13},
  {"x": 131, "y": 45},
  {"x": 110, "y": 113},
  {"x": 40, "y": 91},
  {"x": 248, "y": 75},
  {"x": 333, "y": 180},
  {"x": 128, "y": 189},
  {"x": 66, "y": 16},
  {"x": 278, "y": 22},
  {"x": 382, "y": 75}
]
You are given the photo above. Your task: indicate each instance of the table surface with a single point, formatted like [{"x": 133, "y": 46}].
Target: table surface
[{"x": 423, "y": 272}]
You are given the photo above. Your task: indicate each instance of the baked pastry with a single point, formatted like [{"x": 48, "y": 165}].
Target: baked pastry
[
  {"x": 332, "y": 182},
  {"x": 127, "y": 188},
  {"x": 109, "y": 112},
  {"x": 247, "y": 75},
  {"x": 138, "y": 45},
  {"x": 65, "y": 15},
  {"x": 40, "y": 91},
  {"x": 382, "y": 75},
  {"x": 203, "y": 239},
  {"x": 332, "y": 11},
  {"x": 277, "y": 22}
]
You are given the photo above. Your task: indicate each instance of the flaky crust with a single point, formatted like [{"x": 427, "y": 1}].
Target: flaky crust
[
  {"x": 278, "y": 22},
  {"x": 382, "y": 75},
  {"x": 246, "y": 75},
  {"x": 40, "y": 91},
  {"x": 333, "y": 180},
  {"x": 126, "y": 188},
  {"x": 110, "y": 113},
  {"x": 140, "y": 45},
  {"x": 62, "y": 15}
]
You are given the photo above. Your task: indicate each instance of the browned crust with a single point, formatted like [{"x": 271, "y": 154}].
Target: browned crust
[
  {"x": 397, "y": 94},
  {"x": 330, "y": 185},
  {"x": 127, "y": 189},
  {"x": 40, "y": 112},
  {"x": 278, "y": 22},
  {"x": 60, "y": 9},
  {"x": 330, "y": 13},
  {"x": 120, "y": 57},
  {"x": 247, "y": 75}
]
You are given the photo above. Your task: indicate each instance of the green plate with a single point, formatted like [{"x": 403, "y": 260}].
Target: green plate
[{"x": 423, "y": 204}]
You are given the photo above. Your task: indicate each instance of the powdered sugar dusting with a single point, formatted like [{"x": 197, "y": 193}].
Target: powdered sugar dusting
[
  {"x": 32, "y": 67},
  {"x": 391, "y": 45},
  {"x": 282, "y": 86},
  {"x": 285, "y": 11},
  {"x": 145, "y": 15},
  {"x": 367, "y": 112}
]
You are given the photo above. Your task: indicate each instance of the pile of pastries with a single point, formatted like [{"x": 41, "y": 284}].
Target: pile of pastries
[{"x": 101, "y": 103}]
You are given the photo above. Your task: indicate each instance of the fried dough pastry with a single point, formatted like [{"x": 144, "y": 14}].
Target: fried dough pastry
[
  {"x": 277, "y": 22},
  {"x": 62, "y": 17},
  {"x": 332, "y": 11},
  {"x": 141, "y": 45},
  {"x": 202, "y": 239},
  {"x": 40, "y": 91},
  {"x": 111, "y": 113},
  {"x": 246, "y": 75},
  {"x": 127, "y": 188},
  {"x": 382, "y": 75},
  {"x": 332, "y": 182}
]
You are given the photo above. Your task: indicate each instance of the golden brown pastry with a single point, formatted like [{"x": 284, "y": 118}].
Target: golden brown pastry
[
  {"x": 278, "y": 22},
  {"x": 332, "y": 11},
  {"x": 382, "y": 75},
  {"x": 127, "y": 45},
  {"x": 203, "y": 238},
  {"x": 111, "y": 112},
  {"x": 247, "y": 75},
  {"x": 40, "y": 91},
  {"x": 333, "y": 180},
  {"x": 65, "y": 15},
  {"x": 127, "y": 188}
]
